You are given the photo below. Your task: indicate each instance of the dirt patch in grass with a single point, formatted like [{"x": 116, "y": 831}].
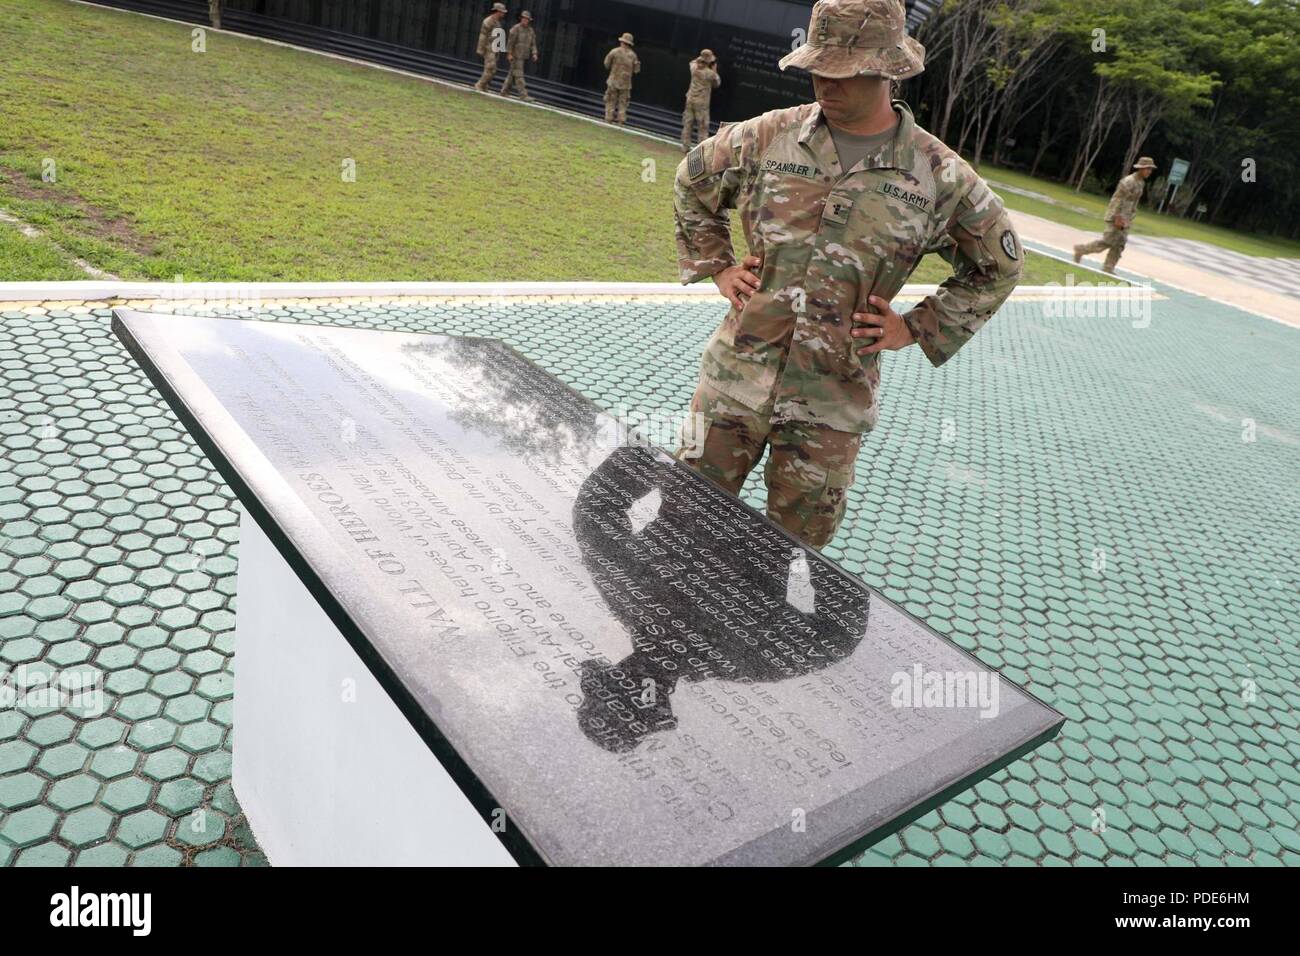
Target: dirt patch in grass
[{"x": 99, "y": 224}]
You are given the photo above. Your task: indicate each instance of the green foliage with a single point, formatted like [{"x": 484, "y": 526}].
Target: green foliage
[{"x": 1211, "y": 81}]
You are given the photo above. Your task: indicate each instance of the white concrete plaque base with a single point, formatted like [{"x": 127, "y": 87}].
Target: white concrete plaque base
[{"x": 328, "y": 770}]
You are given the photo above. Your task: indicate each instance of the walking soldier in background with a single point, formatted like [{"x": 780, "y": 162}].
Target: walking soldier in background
[
  {"x": 1120, "y": 213},
  {"x": 704, "y": 79},
  {"x": 488, "y": 44},
  {"x": 621, "y": 63},
  {"x": 521, "y": 46},
  {"x": 839, "y": 200}
]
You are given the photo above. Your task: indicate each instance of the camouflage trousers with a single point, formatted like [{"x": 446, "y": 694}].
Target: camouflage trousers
[
  {"x": 1112, "y": 240},
  {"x": 489, "y": 70},
  {"x": 616, "y": 103},
  {"x": 695, "y": 119},
  {"x": 515, "y": 78},
  {"x": 809, "y": 467}
]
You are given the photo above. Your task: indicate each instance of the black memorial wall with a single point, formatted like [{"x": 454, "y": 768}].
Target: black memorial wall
[
  {"x": 437, "y": 38},
  {"x": 574, "y": 36}
]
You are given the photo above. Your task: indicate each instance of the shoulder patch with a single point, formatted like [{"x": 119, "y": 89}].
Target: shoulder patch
[
  {"x": 695, "y": 163},
  {"x": 1009, "y": 243}
]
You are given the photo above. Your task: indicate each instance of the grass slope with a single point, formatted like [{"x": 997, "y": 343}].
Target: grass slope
[
  {"x": 33, "y": 260},
  {"x": 227, "y": 165}
]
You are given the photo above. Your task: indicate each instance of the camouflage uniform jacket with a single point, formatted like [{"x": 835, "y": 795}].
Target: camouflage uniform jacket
[
  {"x": 1125, "y": 201},
  {"x": 703, "y": 79},
  {"x": 621, "y": 63},
  {"x": 485, "y": 36},
  {"x": 522, "y": 42},
  {"x": 828, "y": 238}
]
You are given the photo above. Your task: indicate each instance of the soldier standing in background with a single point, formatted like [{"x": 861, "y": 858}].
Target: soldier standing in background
[
  {"x": 487, "y": 45},
  {"x": 621, "y": 63},
  {"x": 521, "y": 46},
  {"x": 1120, "y": 213},
  {"x": 839, "y": 200},
  {"x": 704, "y": 79}
]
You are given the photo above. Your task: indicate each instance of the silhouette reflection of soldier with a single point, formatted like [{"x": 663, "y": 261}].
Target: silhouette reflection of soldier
[{"x": 697, "y": 605}]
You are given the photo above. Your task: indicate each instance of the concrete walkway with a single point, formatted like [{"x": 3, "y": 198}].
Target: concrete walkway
[{"x": 1182, "y": 275}]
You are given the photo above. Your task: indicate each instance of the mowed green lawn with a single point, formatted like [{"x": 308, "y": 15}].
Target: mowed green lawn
[
  {"x": 26, "y": 259},
  {"x": 229, "y": 165}
]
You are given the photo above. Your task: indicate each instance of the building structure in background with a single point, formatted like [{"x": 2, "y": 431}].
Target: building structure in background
[{"x": 438, "y": 38}]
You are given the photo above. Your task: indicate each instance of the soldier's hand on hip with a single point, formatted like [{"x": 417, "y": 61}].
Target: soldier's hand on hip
[
  {"x": 1120, "y": 222},
  {"x": 738, "y": 283},
  {"x": 884, "y": 325}
]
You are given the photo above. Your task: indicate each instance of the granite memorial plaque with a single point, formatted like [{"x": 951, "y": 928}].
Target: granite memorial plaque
[{"x": 636, "y": 667}]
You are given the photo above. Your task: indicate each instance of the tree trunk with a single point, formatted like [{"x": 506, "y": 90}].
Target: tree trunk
[{"x": 1101, "y": 122}]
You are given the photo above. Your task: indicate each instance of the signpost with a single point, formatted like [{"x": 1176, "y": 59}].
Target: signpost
[{"x": 1177, "y": 173}]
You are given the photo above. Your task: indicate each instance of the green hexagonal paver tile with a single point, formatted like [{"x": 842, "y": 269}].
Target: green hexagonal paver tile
[
  {"x": 166, "y": 764},
  {"x": 174, "y": 684},
  {"x": 51, "y": 729},
  {"x": 45, "y": 855},
  {"x": 113, "y": 762},
  {"x": 179, "y": 796},
  {"x": 11, "y": 725},
  {"x": 203, "y": 662},
  {"x": 49, "y": 607},
  {"x": 19, "y": 790},
  {"x": 140, "y": 829},
  {"x": 106, "y": 854},
  {"x": 200, "y": 827},
  {"x": 157, "y": 855},
  {"x": 216, "y": 686},
  {"x": 213, "y": 766},
  {"x": 218, "y": 856},
  {"x": 21, "y": 650},
  {"x": 86, "y": 826},
  {"x": 29, "y": 825},
  {"x": 126, "y": 793},
  {"x": 138, "y": 707},
  {"x": 75, "y": 791},
  {"x": 102, "y": 732},
  {"x": 200, "y": 736}
]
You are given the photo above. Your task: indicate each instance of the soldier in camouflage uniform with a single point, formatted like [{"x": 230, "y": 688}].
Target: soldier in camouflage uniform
[
  {"x": 839, "y": 200},
  {"x": 487, "y": 46},
  {"x": 621, "y": 63},
  {"x": 1120, "y": 213},
  {"x": 521, "y": 46},
  {"x": 704, "y": 79}
]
